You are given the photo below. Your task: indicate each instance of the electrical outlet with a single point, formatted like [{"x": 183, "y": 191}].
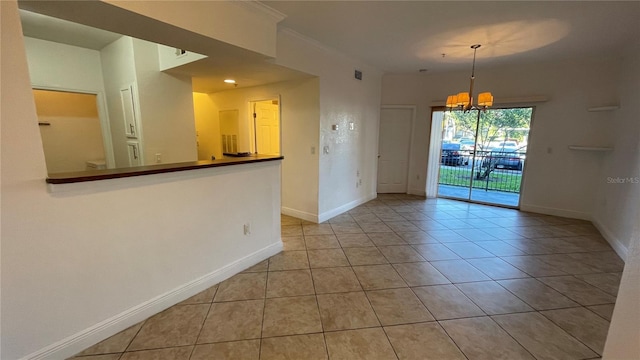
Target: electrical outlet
[
  {"x": 360, "y": 182},
  {"x": 247, "y": 229},
  {"x": 313, "y": 150},
  {"x": 358, "y": 173}
]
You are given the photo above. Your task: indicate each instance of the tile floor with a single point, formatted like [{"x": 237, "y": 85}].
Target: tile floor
[{"x": 400, "y": 277}]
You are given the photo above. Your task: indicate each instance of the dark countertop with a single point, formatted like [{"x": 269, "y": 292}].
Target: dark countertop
[{"x": 93, "y": 175}]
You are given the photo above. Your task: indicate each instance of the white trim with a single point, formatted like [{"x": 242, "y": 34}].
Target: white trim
[
  {"x": 433, "y": 155},
  {"x": 103, "y": 116},
  {"x": 555, "y": 212},
  {"x": 79, "y": 341},
  {"x": 344, "y": 208},
  {"x": 299, "y": 214},
  {"x": 272, "y": 13},
  {"x": 414, "y": 110},
  {"x": 613, "y": 240}
]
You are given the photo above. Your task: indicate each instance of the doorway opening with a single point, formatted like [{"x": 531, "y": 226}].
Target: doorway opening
[
  {"x": 483, "y": 155},
  {"x": 75, "y": 133},
  {"x": 264, "y": 125}
]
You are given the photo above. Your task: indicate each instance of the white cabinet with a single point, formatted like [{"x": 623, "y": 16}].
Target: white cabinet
[
  {"x": 130, "y": 111},
  {"x": 133, "y": 151}
]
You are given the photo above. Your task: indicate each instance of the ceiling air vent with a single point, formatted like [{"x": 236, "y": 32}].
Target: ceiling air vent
[{"x": 358, "y": 74}]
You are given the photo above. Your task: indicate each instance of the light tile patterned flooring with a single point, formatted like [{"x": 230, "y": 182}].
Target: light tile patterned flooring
[{"x": 400, "y": 277}]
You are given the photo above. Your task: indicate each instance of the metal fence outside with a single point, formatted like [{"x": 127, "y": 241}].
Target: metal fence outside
[{"x": 488, "y": 170}]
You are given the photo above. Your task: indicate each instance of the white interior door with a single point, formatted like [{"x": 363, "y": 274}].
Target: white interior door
[
  {"x": 393, "y": 149},
  {"x": 267, "y": 128}
]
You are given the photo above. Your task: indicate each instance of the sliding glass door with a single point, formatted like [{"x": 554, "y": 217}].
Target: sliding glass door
[{"x": 483, "y": 155}]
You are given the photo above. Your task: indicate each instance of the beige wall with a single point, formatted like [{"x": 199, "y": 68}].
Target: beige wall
[{"x": 207, "y": 127}]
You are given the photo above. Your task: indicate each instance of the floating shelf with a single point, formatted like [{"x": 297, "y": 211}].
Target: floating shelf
[
  {"x": 590, "y": 148},
  {"x": 603, "y": 108}
]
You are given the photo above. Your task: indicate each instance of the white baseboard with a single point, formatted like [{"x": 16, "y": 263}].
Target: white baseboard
[
  {"x": 96, "y": 333},
  {"x": 613, "y": 240},
  {"x": 346, "y": 207},
  {"x": 555, "y": 212},
  {"x": 299, "y": 214}
]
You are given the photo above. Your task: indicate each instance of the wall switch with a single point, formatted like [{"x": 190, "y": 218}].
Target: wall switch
[
  {"x": 335, "y": 127},
  {"x": 247, "y": 229},
  {"x": 313, "y": 150},
  {"x": 360, "y": 182},
  {"x": 358, "y": 173},
  {"x": 158, "y": 158},
  {"x": 352, "y": 126},
  {"x": 325, "y": 150}
]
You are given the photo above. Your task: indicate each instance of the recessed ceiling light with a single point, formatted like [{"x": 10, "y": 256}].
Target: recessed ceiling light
[{"x": 230, "y": 81}]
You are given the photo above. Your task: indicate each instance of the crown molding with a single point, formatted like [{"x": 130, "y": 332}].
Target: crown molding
[{"x": 258, "y": 6}]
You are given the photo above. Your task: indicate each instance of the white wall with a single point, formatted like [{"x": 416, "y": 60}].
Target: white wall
[
  {"x": 118, "y": 71},
  {"x": 619, "y": 182},
  {"x": 65, "y": 67},
  {"x": 557, "y": 180},
  {"x": 618, "y": 214},
  {"x": 169, "y": 59},
  {"x": 343, "y": 100},
  {"x": 166, "y": 109},
  {"x": 104, "y": 250},
  {"x": 216, "y": 19},
  {"x": 300, "y": 111}
]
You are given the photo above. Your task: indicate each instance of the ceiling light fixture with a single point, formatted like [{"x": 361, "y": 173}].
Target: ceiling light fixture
[
  {"x": 464, "y": 100},
  {"x": 230, "y": 81}
]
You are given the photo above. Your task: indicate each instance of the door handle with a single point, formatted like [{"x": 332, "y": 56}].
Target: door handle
[
  {"x": 135, "y": 153},
  {"x": 131, "y": 129}
]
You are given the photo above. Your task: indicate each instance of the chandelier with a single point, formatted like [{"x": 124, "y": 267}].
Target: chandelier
[{"x": 464, "y": 100}]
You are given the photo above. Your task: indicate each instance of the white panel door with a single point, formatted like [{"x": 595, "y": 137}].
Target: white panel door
[
  {"x": 267, "y": 128},
  {"x": 393, "y": 149}
]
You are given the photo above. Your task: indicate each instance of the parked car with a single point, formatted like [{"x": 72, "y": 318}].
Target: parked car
[
  {"x": 468, "y": 145},
  {"x": 453, "y": 154},
  {"x": 504, "y": 157}
]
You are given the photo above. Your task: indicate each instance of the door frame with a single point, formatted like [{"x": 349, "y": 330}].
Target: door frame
[
  {"x": 524, "y": 169},
  {"x": 251, "y": 122},
  {"x": 413, "y": 109},
  {"x": 103, "y": 116}
]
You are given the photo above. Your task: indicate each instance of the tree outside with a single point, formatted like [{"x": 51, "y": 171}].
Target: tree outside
[{"x": 496, "y": 125}]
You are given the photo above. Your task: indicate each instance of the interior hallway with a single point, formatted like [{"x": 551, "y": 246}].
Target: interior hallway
[{"x": 400, "y": 277}]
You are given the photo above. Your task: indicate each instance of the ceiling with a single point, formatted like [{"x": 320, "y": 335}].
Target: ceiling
[{"x": 405, "y": 36}]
